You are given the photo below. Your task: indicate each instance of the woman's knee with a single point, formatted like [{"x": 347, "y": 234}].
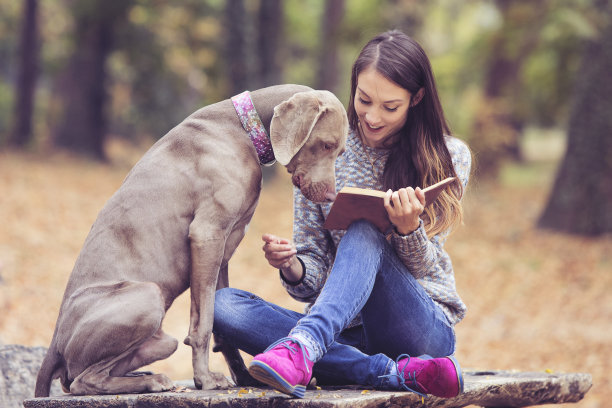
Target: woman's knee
[
  {"x": 229, "y": 303},
  {"x": 224, "y": 298},
  {"x": 362, "y": 230}
]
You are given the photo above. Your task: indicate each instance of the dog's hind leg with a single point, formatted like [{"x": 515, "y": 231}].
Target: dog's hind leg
[
  {"x": 96, "y": 379},
  {"x": 115, "y": 329},
  {"x": 158, "y": 347}
]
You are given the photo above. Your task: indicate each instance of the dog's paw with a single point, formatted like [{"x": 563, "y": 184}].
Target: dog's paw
[
  {"x": 213, "y": 381},
  {"x": 159, "y": 383},
  {"x": 221, "y": 381}
]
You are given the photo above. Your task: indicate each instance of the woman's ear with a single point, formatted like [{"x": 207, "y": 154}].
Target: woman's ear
[{"x": 416, "y": 98}]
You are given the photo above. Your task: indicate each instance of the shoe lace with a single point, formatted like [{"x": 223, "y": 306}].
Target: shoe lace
[
  {"x": 404, "y": 376},
  {"x": 284, "y": 343}
]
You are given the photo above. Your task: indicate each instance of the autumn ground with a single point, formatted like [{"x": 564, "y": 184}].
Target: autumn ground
[{"x": 537, "y": 300}]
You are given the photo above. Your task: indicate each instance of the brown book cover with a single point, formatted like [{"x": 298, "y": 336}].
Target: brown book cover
[{"x": 354, "y": 203}]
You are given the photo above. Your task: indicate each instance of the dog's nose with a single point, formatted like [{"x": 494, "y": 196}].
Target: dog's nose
[{"x": 330, "y": 196}]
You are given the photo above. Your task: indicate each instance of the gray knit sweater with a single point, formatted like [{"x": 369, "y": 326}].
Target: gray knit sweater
[{"x": 424, "y": 258}]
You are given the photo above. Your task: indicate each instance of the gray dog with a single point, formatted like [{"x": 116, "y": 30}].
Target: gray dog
[{"x": 174, "y": 224}]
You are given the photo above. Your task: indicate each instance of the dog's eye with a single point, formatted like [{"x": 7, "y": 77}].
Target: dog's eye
[{"x": 327, "y": 146}]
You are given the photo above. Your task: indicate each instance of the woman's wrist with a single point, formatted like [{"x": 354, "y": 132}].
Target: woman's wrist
[
  {"x": 295, "y": 273},
  {"x": 407, "y": 230}
]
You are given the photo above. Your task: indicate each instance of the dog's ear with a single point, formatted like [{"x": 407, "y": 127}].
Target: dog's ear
[{"x": 292, "y": 124}]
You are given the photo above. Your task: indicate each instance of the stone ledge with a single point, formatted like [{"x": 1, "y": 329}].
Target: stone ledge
[{"x": 482, "y": 388}]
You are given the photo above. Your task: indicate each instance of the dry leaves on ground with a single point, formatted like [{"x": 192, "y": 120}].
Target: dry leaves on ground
[{"x": 537, "y": 300}]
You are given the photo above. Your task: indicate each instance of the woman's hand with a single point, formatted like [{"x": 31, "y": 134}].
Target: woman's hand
[
  {"x": 281, "y": 254},
  {"x": 404, "y": 207}
]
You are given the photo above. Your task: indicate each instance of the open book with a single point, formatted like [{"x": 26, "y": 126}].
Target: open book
[{"x": 353, "y": 203}]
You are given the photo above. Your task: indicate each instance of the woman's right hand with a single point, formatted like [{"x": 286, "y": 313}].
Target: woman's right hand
[{"x": 281, "y": 254}]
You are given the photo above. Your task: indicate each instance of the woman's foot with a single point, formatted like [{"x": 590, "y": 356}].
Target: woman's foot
[
  {"x": 441, "y": 377},
  {"x": 285, "y": 366}
]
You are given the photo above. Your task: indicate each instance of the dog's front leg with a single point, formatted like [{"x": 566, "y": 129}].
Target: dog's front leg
[{"x": 206, "y": 257}]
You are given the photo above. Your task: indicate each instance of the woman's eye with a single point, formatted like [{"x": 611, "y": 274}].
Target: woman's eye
[
  {"x": 391, "y": 109},
  {"x": 363, "y": 101}
]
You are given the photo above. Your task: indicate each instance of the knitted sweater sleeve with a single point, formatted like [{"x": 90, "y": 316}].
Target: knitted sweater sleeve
[
  {"x": 420, "y": 254},
  {"x": 315, "y": 248}
]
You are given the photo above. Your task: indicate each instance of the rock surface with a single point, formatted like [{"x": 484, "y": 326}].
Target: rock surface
[
  {"x": 18, "y": 370},
  {"x": 482, "y": 388}
]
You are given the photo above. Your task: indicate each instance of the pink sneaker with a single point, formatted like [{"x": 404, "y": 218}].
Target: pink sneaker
[
  {"x": 284, "y": 366},
  {"x": 441, "y": 377}
]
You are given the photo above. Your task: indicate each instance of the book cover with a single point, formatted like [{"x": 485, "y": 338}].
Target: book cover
[{"x": 354, "y": 203}]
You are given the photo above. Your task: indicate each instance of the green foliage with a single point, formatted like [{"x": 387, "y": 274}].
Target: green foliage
[
  {"x": 362, "y": 21},
  {"x": 6, "y": 110},
  {"x": 454, "y": 35},
  {"x": 301, "y": 31},
  {"x": 550, "y": 71},
  {"x": 168, "y": 56},
  {"x": 9, "y": 27},
  {"x": 57, "y": 44},
  {"x": 167, "y": 65}
]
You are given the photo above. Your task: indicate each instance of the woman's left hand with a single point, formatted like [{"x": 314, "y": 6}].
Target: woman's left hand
[{"x": 404, "y": 207}]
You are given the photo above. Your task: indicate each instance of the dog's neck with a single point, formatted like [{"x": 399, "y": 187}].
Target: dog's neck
[
  {"x": 255, "y": 128},
  {"x": 266, "y": 99},
  {"x": 265, "y": 114}
]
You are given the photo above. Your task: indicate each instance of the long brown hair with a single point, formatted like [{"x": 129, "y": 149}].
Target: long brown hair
[{"x": 419, "y": 157}]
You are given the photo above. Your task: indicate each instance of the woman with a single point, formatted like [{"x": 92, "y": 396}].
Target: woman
[{"x": 376, "y": 301}]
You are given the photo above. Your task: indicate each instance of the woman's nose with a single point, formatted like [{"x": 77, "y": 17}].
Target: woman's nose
[{"x": 372, "y": 118}]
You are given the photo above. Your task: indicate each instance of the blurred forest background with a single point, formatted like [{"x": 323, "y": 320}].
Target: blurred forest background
[{"x": 86, "y": 86}]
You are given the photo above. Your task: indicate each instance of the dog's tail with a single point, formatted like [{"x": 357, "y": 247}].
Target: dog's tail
[{"x": 52, "y": 367}]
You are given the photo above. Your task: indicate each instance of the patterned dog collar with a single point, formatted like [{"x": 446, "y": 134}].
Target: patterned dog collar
[{"x": 254, "y": 127}]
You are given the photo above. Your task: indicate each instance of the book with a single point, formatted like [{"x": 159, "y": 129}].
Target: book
[{"x": 354, "y": 203}]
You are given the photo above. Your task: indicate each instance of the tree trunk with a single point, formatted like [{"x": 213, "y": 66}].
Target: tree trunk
[
  {"x": 271, "y": 23},
  {"x": 235, "y": 46},
  {"x": 84, "y": 121},
  {"x": 581, "y": 199},
  {"x": 21, "y": 134},
  {"x": 330, "y": 40}
]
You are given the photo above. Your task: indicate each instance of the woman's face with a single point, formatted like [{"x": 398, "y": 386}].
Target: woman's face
[{"x": 381, "y": 106}]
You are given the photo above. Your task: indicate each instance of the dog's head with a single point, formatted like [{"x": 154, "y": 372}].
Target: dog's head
[{"x": 308, "y": 132}]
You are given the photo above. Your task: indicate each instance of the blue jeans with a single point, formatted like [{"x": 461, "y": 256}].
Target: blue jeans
[{"x": 367, "y": 278}]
